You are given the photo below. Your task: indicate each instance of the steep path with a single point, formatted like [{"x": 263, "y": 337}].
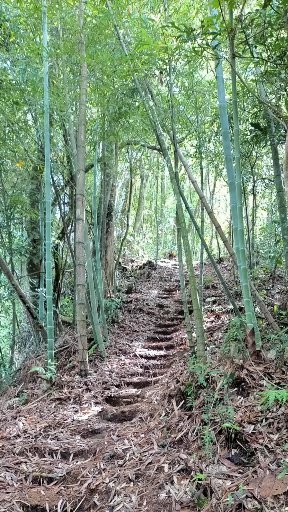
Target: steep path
[
  {"x": 105, "y": 444},
  {"x": 141, "y": 434}
]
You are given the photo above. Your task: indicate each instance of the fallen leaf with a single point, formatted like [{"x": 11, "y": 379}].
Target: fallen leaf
[{"x": 270, "y": 485}]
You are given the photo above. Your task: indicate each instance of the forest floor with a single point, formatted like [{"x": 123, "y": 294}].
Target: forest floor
[{"x": 144, "y": 432}]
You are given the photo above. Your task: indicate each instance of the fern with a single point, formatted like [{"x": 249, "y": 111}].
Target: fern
[
  {"x": 234, "y": 340},
  {"x": 48, "y": 375},
  {"x": 272, "y": 397}
]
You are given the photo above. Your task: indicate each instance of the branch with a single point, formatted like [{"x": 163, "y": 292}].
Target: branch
[
  {"x": 23, "y": 298},
  {"x": 142, "y": 144},
  {"x": 88, "y": 167}
]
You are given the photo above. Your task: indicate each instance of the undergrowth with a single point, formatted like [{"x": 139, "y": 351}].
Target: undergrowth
[
  {"x": 211, "y": 387},
  {"x": 273, "y": 397},
  {"x": 234, "y": 340},
  {"x": 112, "y": 308}
]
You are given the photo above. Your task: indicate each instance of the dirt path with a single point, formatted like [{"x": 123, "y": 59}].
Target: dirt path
[
  {"x": 105, "y": 444},
  {"x": 125, "y": 439}
]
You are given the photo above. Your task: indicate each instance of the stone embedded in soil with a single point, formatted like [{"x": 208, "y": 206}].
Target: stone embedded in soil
[
  {"x": 127, "y": 397},
  {"x": 157, "y": 372},
  {"x": 119, "y": 415},
  {"x": 139, "y": 382},
  {"x": 160, "y": 346},
  {"x": 151, "y": 354},
  {"x": 95, "y": 432},
  {"x": 155, "y": 365},
  {"x": 167, "y": 325},
  {"x": 159, "y": 337},
  {"x": 167, "y": 331},
  {"x": 161, "y": 305},
  {"x": 170, "y": 290}
]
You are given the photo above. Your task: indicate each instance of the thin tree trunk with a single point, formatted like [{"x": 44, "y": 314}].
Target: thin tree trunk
[
  {"x": 199, "y": 328},
  {"x": 141, "y": 203},
  {"x": 33, "y": 265},
  {"x": 247, "y": 224},
  {"x": 48, "y": 251},
  {"x": 208, "y": 209},
  {"x": 235, "y": 181},
  {"x": 109, "y": 163},
  {"x": 202, "y": 211},
  {"x": 8, "y": 225},
  {"x": 162, "y": 208},
  {"x": 42, "y": 259},
  {"x": 81, "y": 309},
  {"x": 209, "y": 254},
  {"x": 187, "y": 318},
  {"x": 285, "y": 166},
  {"x": 211, "y": 198},
  {"x": 128, "y": 212},
  {"x": 93, "y": 297},
  {"x": 253, "y": 219},
  {"x": 280, "y": 192},
  {"x": 13, "y": 334},
  {"x": 98, "y": 265},
  {"x": 23, "y": 298},
  {"x": 157, "y": 220}
]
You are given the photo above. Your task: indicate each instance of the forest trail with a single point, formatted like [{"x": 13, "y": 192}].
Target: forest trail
[
  {"x": 92, "y": 444},
  {"x": 127, "y": 438}
]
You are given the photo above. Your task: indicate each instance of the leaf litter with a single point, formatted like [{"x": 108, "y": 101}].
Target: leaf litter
[{"x": 126, "y": 437}]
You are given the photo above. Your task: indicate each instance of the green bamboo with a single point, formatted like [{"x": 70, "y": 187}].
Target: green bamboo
[
  {"x": 244, "y": 274},
  {"x": 202, "y": 216},
  {"x": 157, "y": 220},
  {"x": 128, "y": 212},
  {"x": 235, "y": 185},
  {"x": 280, "y": 192},
  {"x": 48, "y": 251},
  {"x": 98, "y": 265},
  {"x": 42, "y": 273},
  {"x": 209, "y": 254},
  {"x": 141, "y": 201},
  {"x": 187, "y": 319},
  {"x": 197, "y": 312},
  {"x": 80, "y": 200},
  {"x": 94, "y": 304}
]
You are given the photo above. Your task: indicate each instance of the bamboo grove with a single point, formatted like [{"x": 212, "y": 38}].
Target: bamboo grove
[{"x": 130, "y": 130}]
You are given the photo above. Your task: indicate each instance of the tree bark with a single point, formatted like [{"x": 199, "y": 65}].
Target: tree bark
[
  {"x": 23, "y": 298},
  {"x": 34, "y": 250},
  {"x": 81, "y": 309},
  {"x": 140, "y": 205},
  {"x": 106, "y": 216}
]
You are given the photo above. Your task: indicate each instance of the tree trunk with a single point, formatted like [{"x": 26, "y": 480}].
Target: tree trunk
[
  {"x": 238, "y": 214},
  {"x": 34, "y": 250},
  {"x": 81, "y": 309},
  {"x": 94, "y": 302},
  {"x": 208, "y": 209},
  {"x": 280, "y": 192},
  {"x": 197, "y": 312},
  {"x": 141, "y": 200},
  {"x": 128, "y": 211},
  {"x": 205, "y": 246},
  {"x": 184, "y": 297},
  {"x": 23, "y": 298},
  {"x": 106, "y": 207},
  {"x": 285, "y": 167},
  {"x": 48, "y": 251}
]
